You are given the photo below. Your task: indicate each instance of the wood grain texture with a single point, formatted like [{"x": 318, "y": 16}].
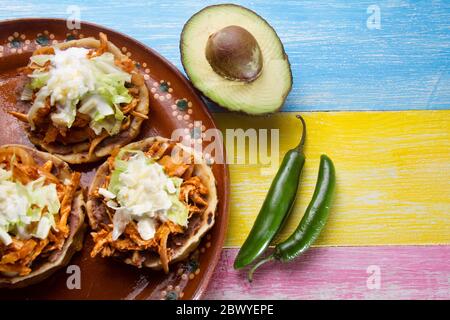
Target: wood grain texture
[
  {"x": 393, "y": 175},
  {"x": 341, "y": 273},
  {"x": 393, "y": 167},
  {"x": 337, "y": 62}
]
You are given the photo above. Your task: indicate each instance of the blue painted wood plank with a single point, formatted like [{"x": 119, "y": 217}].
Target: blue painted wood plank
[{"x": 338, "y": 62}]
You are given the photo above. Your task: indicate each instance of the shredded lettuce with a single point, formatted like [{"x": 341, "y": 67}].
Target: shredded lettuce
[
  {"x": 110, "y": 124},
  {"x": 26, "y": 210},
  {"x": 112, "y": 88},
  {"x": 39, "y": 79},
  {"x": 95, "y": 107},
  {"x": 102, "y": 115},
  {"x": 178, "y": 212},
  {"x": 72, "y": 78},
  {"x": 27, "y": 93},
  {"x": 43, "y": 228},
  {"x": 43, "y": 196},
  {"x": 65, "y": 114},
  {"x": 143, "y": 192},
  {"x": 41, "y": 59},
  {"x": 119, "y": 167},
  {"x": 106, "y": 64}
]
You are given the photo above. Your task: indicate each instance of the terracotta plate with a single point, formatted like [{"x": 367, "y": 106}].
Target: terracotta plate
[{"x": 173, "y": 104}]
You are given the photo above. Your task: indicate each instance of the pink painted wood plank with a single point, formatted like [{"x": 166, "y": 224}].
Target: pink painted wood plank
[{"x": 405, "y": 272}]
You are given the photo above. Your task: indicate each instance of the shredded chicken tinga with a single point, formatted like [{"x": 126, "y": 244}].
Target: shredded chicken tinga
[
  {"x": 104, "y": 105},
  {"x": 20, "y": 255},
  {"x": 193, "y": 195}
]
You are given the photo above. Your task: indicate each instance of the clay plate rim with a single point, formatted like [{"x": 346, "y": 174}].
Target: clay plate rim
[{"x": 220, "y": 238}]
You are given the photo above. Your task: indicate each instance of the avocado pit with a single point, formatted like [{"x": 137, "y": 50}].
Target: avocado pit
[{"x": 234, "y": 54}]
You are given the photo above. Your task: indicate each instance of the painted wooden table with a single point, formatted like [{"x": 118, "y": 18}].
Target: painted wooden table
[{"x": 372, "y": 79}]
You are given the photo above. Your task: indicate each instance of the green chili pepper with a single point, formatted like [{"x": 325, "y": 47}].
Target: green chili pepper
[
  {"x": 277, "y": 205},
  {"x": 313, "y": 221}
]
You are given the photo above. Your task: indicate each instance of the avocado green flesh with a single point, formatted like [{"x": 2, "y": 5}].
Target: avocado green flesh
[{"x": 265, "y": 94}]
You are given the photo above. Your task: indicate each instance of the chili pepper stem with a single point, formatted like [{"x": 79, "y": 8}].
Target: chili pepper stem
[
  {"x": 302, "y": 141},
  {"x": 256, "y": 266}
]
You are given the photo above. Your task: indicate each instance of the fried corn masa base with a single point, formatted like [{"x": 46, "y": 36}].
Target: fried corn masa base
[
  {"x": 198, "y": 224},
  {"x": 79, "y": 152},
  {"x": 42, "y": 269}
]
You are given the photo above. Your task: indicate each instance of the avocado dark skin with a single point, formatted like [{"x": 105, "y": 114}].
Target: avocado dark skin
[{"x": 234, "y": 53}]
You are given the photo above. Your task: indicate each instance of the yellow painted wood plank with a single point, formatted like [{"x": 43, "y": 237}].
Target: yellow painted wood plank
[{"x": 393, "y": 175}]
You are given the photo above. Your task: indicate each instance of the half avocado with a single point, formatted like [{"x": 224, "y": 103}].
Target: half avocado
[{"x": 236, "y": 59}]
